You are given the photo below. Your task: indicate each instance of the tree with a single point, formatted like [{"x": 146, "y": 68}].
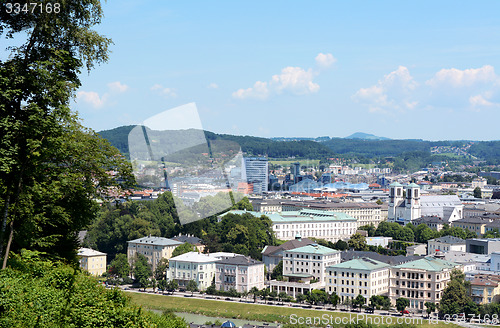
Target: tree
[
  {"x": 430, "y": 307},
  {"x": 455, "y": 296},
  {"x": 255, "y": 292},
  {"x": 172, "y": 286},
  {"x": 142, "y": 270},
  {"x": 278, "y": 271},
  {"x": 477, "y": 192},
  {"x": 341, "y": 245},
  {"x": 379, "y": 202},
  {"x": 51, "y": 168},
  {"x": 161, "y": 269},
  {"x": 380, "y": 302},
  {"x": 402, "y": 303},
  {"x": 184, "y": 248},
  {"x": 120, "y": 267},
  {"x": 334, "y": 299},
  {"x": 359, "y": 301},
  {"x": 357, "y": 242},
  {"x": 369, "y": 228},
  {"x": 300, "y": 298},
  {"x": 192, "y": 287}
]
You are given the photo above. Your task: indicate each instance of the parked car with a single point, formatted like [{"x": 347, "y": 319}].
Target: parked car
[{"x": 405, "y": 312}]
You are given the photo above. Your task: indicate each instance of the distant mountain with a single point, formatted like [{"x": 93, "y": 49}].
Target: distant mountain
[{"x": 365, "y": 136}]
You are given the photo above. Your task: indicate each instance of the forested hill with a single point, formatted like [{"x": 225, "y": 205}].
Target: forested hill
[{"x": 255, "y": 146}]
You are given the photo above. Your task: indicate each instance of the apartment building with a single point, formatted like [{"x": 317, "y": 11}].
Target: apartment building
[
  {"x": 475, "y": 224},
  {"x": 92, "y": 261},
  {"x": 309, "y": 261},
  {"x": 485, "y": 288},
  {"x": 445, "y": 244},
  {"x": 193, "y": 266},
  {"x": 420, "y": 281},
  {"x": 272, "y": 255},
  {"x": 363, "y": 276},
  {"x": 153, "y": 248},
  {"x": 240, "y": 272}
]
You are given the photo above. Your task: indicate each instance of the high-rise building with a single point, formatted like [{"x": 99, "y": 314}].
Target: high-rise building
[
  {"x": 295, "y": 171},
  {"x": 256, "y": 172}
]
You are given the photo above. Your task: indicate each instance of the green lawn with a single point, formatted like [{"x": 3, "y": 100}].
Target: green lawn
[{"x": 253, "y": 311}]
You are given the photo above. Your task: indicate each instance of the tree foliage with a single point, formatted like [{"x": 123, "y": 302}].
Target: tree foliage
[{"x": 184, "y": 248}]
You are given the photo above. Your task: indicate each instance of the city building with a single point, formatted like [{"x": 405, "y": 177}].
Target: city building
[
  {"x": 327, "y": 225},
  {"x": 92, "y": 261},
  {"x": 483, "y": 245},
  {"x": 413, "y": 206},
  {"x": 191, "y": 240},
  {"x": 304, "y": 269},
  {"x": 475, "y": 224},
  {"x": 378, "y": 241},
  {"x": 309, "y": 261},
  {"x": 495, "y": 261},
  {"x": 445, "y": 244},
  {"x": 365, "y": 213},
  {"x": 485, "y": 288},
  {"x": 256, "y": 172},
  {"x": 266, "y": 205},
  {"x": 272, "y": 255},
  {"x": 239, "y": 272},
  {"x": 193, "y": 266},
  {"x": 417, "y": 249},
  {"x": 363, "y": 276},
  {"x": 433, "y": 222},
  {"x": 153, "y": 248},
  {"x": 420, "y": 281}
]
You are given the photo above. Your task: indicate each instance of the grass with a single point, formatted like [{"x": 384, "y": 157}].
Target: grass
[{"x": 247, "y": 311}]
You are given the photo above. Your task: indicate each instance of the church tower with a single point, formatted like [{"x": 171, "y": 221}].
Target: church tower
[
  {"x": 395, "y": 199},
  {"x": 412, "y": 204}
]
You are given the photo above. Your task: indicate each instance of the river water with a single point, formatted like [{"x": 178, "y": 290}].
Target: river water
[{"x": 201, "y": 319}]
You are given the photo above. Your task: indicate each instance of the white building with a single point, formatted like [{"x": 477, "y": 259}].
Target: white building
[
  {"x": 240, "y": 272},
  {"x": 153, "y": 248},
  {"x": 327, "y": 225},
  {"x": 193, "y": 266},
  {"x": 445, "y": 244},
  {"x": 256, "y": 172},
  {"x": 310, "y": 260},
  {"x": 362, "y": 276}
]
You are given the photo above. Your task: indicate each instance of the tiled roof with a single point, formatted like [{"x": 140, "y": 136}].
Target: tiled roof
[
  {"x": 291, "y": 244},
  {"x": 364, "y": 263},
  {"x": 314, "y": 249},
  {"x": 195, "y": 257},
  {"x": 428, "y": 264},
  {"x": 157, "y": 241},
  {"x": 449, "y": 240}
]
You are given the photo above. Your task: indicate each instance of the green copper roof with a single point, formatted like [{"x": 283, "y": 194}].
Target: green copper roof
[
  {"x": 314, "y": 249},
  {"x": 304, "y": 215},
  {"x": 413, "y": 185},
  {"x": 428, "y": 264},
  {"x": 360, "y": 264},
  {"x": 395, "y": 184}
]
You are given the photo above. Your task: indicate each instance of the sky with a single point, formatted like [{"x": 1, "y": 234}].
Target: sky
[{"x": 397, "y": 69}]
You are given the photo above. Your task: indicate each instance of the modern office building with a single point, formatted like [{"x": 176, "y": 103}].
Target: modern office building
[
  {"x": 483, "y": 245},
  {"x": 256, "y": 172}
]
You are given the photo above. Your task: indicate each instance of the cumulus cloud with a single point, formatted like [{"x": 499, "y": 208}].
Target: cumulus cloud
[
  {"x": 117, "y": 87},
  {"x": 463, "y": 78},
  {"x": 325, "y": 60},
  {"x": 92, "y": 98},
  {"x": 393, "y": 91},
  {"x": 293, "y": 80},
  {"x": 472, "y": 89},
  {"x": 97, "y": 101},
  {"x": 167, "y": 92}
]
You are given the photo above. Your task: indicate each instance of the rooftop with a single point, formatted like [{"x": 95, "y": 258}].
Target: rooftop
[
  {"x": 89, "y": 252},
  {"x": 428, "y": 264},
  {"x": 195, "y": 257},
  {"x": 157, "y": 241},
  {"x": 291, "y": 244},
  {"x": 304, "y": 215},
  {"x": 449, "y": 240},
  {"x": 364, "y": 263},
  {"x": 240, "y": 260},
  {"x": 314, "y": 249}
]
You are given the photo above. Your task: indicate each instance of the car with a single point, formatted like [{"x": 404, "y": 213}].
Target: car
[{"x": 405, "y": 312}]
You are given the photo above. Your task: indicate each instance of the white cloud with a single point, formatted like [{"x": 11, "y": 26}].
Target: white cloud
[
  {"x": 393, "y": 91},
  {"x": 167, "y": 92},
  {"x": 213, "y": 86},
  {"x": 293, "y": 80},
  {"x": 325, "y": 60},
  {"x": 92, "y": 98},
  {"x": 463, "y": 78},
  {"x": 258, "y": 91},
  {"x": 117, "y": 87}
]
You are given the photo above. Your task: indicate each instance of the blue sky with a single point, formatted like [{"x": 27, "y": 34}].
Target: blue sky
[{"x": 399, "y": 69}]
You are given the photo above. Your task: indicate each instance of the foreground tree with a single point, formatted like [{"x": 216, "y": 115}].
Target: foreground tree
[
  {"x": 51, "y": 168},
  {"x": 402, "y": 303},
  {"x": 430, "y": 307},
  {"x": 455, "y": 298},
  {"x": 120, "y": 267},
  {"x": 192, "y": 287}
]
